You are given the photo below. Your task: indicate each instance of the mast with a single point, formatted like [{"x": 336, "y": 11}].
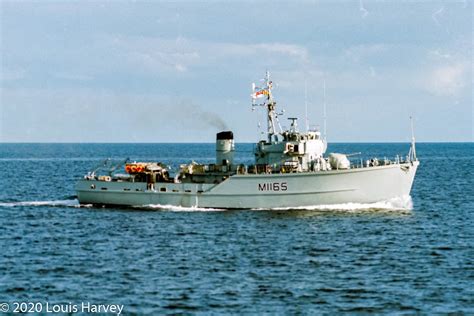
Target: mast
[
  {"x": 269, "y": 104},
  {"x": 324, "y": 108},
  {"x": 413, "y": 149},
  {"x": 306, "y": 104},
  {"x": 270, "y": 107}
]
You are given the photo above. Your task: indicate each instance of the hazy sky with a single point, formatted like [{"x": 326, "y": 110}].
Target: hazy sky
[{"x": 123, "y": 71}]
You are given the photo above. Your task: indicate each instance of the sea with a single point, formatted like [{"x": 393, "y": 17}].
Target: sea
[{"x": 410, "y": 255}]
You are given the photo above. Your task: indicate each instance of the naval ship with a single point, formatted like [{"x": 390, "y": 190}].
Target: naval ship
[{"x": 291, "y": 170}]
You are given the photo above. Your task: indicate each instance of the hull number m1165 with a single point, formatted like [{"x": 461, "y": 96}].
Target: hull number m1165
[{"x": 273, "y": 186}]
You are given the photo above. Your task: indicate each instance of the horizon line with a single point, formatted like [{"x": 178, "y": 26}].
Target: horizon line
[{"x": 179, "y": 142}]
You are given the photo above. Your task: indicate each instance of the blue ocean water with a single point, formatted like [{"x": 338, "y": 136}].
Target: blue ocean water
[{"x": 355, "y": 259}]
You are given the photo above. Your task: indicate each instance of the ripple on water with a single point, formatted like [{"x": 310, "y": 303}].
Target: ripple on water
[{"x": 396, "y": 257}]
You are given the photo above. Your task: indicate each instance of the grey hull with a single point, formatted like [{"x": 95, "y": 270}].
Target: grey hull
[{"x": 360, "y": 185}]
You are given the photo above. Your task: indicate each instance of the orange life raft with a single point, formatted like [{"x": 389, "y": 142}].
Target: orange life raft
[{"x": 135, "y": 167}]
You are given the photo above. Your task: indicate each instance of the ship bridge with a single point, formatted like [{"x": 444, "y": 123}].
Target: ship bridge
[{"x": 292, "y": 150}]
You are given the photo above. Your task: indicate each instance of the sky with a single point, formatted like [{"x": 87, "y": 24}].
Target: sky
[{"x": 181, "y": 71}]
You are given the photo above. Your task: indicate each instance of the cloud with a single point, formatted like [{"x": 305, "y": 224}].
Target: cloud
[
  {"x": 437, "y": 54},
  {"x": 295, "y": 51},
  {"x": 363, "y": 11},
  {"x": 435, "y": 14},
  {"x": 447, "y": 80},
  {"x": 358, "y": 53},
  {"x": 12, "y": 74},
  {"x": 180, "y": 54},
  {"x": 109, "y": 54},
  {"x": 72, "y": 76}
]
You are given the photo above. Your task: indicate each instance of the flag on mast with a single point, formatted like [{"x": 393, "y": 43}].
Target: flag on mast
[{"x": 258, "y": 92}]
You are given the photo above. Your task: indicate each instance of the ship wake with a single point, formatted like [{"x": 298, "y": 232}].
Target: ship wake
[
  {"x": 56, "y": 203},
  {"x": 402, "y": 203},
  {"x": 173, "y": 208}
]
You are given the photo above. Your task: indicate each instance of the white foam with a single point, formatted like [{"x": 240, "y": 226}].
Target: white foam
[
  {"x": 52, "y": 159},
  {"x": 66, "y": 203},
  {"x": 403, "y": 203},
  {"x": 175, "y": 208}
]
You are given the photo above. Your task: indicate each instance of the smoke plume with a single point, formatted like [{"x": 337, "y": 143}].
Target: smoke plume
[{"x": 196, "y": 116}]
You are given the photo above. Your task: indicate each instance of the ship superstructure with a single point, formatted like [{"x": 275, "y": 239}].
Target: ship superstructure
[
  {"x": 287, "y": 150},
  {"x": 290, "y": 170}
]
